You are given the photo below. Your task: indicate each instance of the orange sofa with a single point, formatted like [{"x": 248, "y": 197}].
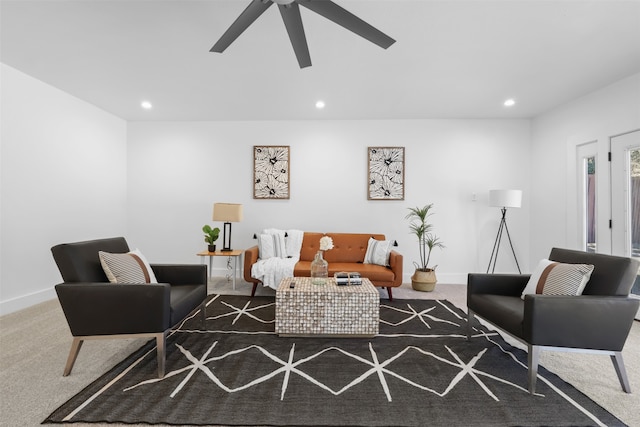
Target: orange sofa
[{"x": 347, "y": 254}]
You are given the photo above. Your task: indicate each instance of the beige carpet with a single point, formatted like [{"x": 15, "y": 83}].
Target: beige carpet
[{"x": 34, "y": 344}]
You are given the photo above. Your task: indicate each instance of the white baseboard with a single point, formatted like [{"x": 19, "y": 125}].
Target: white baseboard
[{"x": 24, "y": 301}]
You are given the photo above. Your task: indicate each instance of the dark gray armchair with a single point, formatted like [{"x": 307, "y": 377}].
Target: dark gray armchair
[
  {"x": 598, "y": 321},
  {"x": 97, "y": 309}
]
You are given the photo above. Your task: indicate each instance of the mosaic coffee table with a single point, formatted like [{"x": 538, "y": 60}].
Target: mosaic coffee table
[{"x": 326, "y": 310}]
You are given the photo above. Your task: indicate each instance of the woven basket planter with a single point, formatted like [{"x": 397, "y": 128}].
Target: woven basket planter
[{"x": 424, "y": 281}]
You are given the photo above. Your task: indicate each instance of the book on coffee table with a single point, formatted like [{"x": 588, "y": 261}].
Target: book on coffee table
[{"x": 348, "y": 278}]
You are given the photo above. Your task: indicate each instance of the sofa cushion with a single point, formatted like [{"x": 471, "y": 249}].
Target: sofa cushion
[
  {"x": 554, "y": 278},
  {"x": 375, "y": 273},
  {"x": 349, "y": 247},
  {"x": 310, "y": 245}
]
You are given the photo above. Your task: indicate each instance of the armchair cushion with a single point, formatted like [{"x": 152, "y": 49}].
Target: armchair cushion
[
  {"x": 79, "y": 262},
  {"x": 555, "y": 278},
  {"x": 612, "y": 275}
]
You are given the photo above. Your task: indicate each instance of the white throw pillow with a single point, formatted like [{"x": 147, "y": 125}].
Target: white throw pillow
[
  {"x": 271, "y": 245},
  {"x": 265, "y": 246},
  {"x": 131, "y": 267},
  {"x": 555, "y": 278},
  {"x": 377, "y": 252},
  {"x": 279, "y": 247},
  {"x": 293, "y": 243}
]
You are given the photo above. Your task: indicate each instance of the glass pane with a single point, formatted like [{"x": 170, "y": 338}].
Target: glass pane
[
  {"x": 634, "y": 201},
  {"x": 634, "y": 208},
  {"x": 590, "y": 199}
]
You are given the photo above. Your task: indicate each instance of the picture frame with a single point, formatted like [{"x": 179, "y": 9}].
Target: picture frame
[
  {"x": 385, "y": 173},
  {"x": 271, "y": 171}
]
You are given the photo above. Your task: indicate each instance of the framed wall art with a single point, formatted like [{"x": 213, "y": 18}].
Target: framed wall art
[
  {"x": 270, "y": 171},
  {"x": 386, "y": 173}
]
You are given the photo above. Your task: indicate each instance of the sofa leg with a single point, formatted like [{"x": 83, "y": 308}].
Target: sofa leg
[
  {"x": 390, "y": 294},
  {"x": 618, "y": 364},
  {"x": 76, "y": 345},
  {"x": 533, "y": 359}
]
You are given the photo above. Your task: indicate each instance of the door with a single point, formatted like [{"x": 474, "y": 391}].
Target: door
[
  {"x": 625, "y": 198},
  {"x": 586, "y": 163}
]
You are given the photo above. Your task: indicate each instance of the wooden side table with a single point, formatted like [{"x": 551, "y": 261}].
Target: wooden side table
[{"x": 235, "y": 254}]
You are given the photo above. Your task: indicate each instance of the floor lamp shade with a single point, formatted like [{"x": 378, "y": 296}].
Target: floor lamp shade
[
  {"x": 227, "y": 213},
  {"x": 505, "y": 198}
]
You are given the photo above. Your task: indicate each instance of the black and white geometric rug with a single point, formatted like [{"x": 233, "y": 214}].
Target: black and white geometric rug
[{"x": 420, "y": 370}]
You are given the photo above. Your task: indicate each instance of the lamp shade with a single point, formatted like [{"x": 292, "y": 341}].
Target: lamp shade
[
  {"x": 227, "y": 212},
  {"x": 505, "y": 198}
]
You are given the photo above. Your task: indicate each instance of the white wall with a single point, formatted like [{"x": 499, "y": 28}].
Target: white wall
[
  {"x": 177, "y": 170},
  {"x": 597, "y": 117},
  {"x": 63, "y": 178}
]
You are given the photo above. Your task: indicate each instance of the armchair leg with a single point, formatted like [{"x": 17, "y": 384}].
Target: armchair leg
[
  {"x": 253, "y": 290},
  {"x": 390, "y": 294},
  {"x": 161, "y": 342},
  {"x": 534, "y": 359},
  {"x": 470, "y": 315},
  {"x": 618, "y": 364},
  {"x": 203, "y": 314},
  {"x": 76, "y": 345}
]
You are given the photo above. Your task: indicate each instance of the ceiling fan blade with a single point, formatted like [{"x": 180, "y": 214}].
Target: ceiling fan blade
[
  {"x": 340, "y": 16},
  {"x": 292, "y": 20},
  {"x": 246, "y": 18}
]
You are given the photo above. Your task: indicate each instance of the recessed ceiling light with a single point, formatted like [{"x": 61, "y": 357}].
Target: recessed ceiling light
[
  {"x": 146, "y": 105},
  {"x": 510, "y": 102},
  {"x": 320, "y": 105}
]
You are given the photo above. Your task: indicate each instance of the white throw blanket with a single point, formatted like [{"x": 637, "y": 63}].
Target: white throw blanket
[
  {"x": 293, "y": 242},
  {"x": 272, "y": 270}
]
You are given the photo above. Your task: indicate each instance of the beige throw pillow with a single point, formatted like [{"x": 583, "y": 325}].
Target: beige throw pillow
[
  {"x": 131, "y": 267},
  {"x": 554, "y": 278}
]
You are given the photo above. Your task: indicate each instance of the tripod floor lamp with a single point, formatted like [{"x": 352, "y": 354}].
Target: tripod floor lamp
[
  {"x": 503, "y": 199},
  {"x": 228, "y": 213}
]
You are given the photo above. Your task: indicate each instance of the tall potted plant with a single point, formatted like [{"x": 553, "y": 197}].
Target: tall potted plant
[
  {"x": 424, "y": 278},
  {"x": 210, "y": 236}
]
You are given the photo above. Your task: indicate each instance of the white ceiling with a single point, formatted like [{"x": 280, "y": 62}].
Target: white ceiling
[{"x": 452, "y": 58}]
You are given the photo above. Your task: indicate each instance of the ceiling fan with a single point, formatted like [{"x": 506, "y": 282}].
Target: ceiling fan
[{"x": 290, "y": 12}]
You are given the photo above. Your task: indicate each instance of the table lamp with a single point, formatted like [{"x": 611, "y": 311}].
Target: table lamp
[
  {"x": 503, "y": 199},
  {"x": 227, "y": 213}
]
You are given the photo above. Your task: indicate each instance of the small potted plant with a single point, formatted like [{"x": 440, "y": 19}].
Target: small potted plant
[
  {"x": 210, "y": 236},
  {"x": 424, "y": 278}
]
